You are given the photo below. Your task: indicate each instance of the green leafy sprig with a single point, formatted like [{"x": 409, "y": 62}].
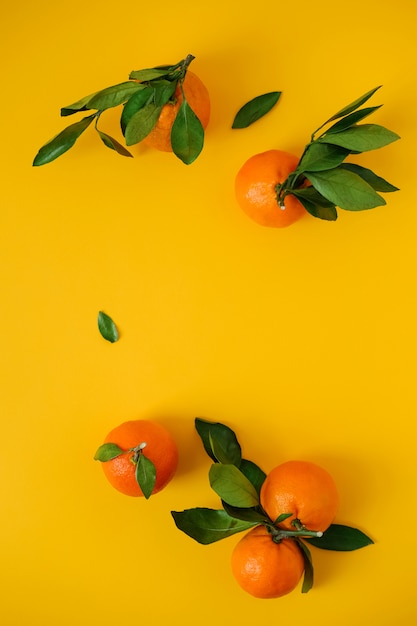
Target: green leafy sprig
[
  {"x": 143, "y": 97},
  {"x": 238, "y": 481},
  {"x": 145, "y": 471},
  {"x": 323, "y": 180}
]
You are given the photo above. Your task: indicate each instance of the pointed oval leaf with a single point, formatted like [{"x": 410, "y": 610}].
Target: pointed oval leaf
[
  {"x": 255, "y": 109},
  {"x": 111, "y": 143},
  {"x": 354, "y": 105},
  {"x": 114, "y": 95},
  {"x": 208, "y": 525},
  {"x": 376, "y": 182},
  {"x": 232, "y": 486},
  {"x": 250, "y": 514},
  {"x": 321, "y": 156},
  {"x": 62, "y": 142},
  {"x": 345, "y": 189},
  {"x": 145, "y": 474},
  {"x": 149, "y": 74},
  {"x": 141, "y": 123},
  {"x": 134, "y": 104},
  {"x": 361, "y": 138},
  {"x": 253, "y": 473},
  {"x": 107, "y": 452},
  {"x": 187, "y": 134},
  {"x": 76, "y": 107},
  {"x": 107, "y": 327},
  {"x": 315, "y": 204},
  {"x": 308, "y": 579},
  {"x": 351, "y": 119},
  {"x": 341, "y": 538},
  {"x": 224, "y": 437}
]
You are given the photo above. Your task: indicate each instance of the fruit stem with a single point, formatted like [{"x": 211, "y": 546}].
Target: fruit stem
[
  {"x": 137, "y": 451},
  {"x": 278, "y": 533}
]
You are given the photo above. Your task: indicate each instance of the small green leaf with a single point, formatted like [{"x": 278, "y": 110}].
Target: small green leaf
[
  {"x": 345, "y": 189},
  {"x": 253, "y": 473},
  {"x": 107, "y": 327},
  {"x": 315, "y": 204},
  {"x": 187, "y": 134},
  {"x": 141, "y": 123},
  {"x": 163, "y": 91},
  {"x": 62, "y": 142},
  {"x": 150, "y": 74},
  {"x": 134, "y": 104},
  {"x": 353, "y": 105},
  {"x": 352, "y": 119},
  {"x": 111, "y": 143},
  {"x": 255, "y": 109},
  {"x": 281, "y": 518},
  {"x": 341, "y": 538},
  {"x": 145, "y": 474},
  {"x": 114, "y": 95},
  {"x": 107, "y": 452},
  {"x": 361, "y": 138},
  {"x": 232, "y": 486},
  {"x": 224, "y": 437},
  {"x": 208, "y": 525},
  {"x": 321, "y": 156},
  {"x": 252, "y": 514},
  {"x": 76, "y": 107},
  {"x": 376, "y": 182},
  {"x": 308, "y": 579}
]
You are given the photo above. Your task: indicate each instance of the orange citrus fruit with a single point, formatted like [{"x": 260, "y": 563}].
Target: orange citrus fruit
[
  {"x": 256, "y": 193},
  {"x": 305, "y": 490},
  {"x": 160, "y": 448},
  {"x": 198, "y": 99},
  {"x": 264, "y": 568}
]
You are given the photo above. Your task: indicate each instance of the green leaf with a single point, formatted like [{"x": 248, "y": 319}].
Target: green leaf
[
  {"x": 376, "y": 182},
  {"x": 253, "y": 473},
  {"x": 163, "y": 91},
  {"x": 353, "y": 105},
  {"x": 224, "y": 437},
  {"x": 62, "y": 142},
  {"x": 361, "y": 138},
  {"x": 141, "y": 123},
  {"x": 232, "y": 486},
  {"x": 134, "y": 104},
  {"x": 341, "y": 538},
  {"x": 107, "y": 452},
  {"x": 321, "y": 156},
  {"x": 114, "y": 95},
  {"x": 187, "y": 134},
  {"x": 145, "y": 474},
  {"x": 208, "y": 525},
  {"x": 149, "y": 74},
  {"x": 345, "y": 189},
  {"x": 315, "y": 204},
  {"x": 107, "y": 327},
  {"x": 247, "y": 514},
  {"x": 111, "y": 143},
  {"x": 255, "y": 109},
  {"x": 351, "y": 119},
  {"x": 308, "y": 579},
  {"x": 76, "y": 107},
  {"x": 281, "y": 518}
]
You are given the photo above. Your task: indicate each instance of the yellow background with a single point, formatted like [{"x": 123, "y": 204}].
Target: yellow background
[{"x": 302, "y": 340}]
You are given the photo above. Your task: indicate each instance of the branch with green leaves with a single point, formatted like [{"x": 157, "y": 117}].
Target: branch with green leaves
[
  {"x": 323, "y": 180},
  {"x": 238, "y": 481},
  {"x": 143, "y": 96}
]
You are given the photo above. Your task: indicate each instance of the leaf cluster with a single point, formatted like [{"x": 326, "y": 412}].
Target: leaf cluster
[
  {"x": 238, "y": 481},
  {"x": 142, "y": 98},
  {"x": 145, "y": 471},
  {"x": 323, "y": 180}
]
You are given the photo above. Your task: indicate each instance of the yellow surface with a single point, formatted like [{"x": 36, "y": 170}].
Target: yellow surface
[{"x": 302, "y": 340}]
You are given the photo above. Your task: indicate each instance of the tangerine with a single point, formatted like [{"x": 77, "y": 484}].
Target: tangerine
[
  {"x": 305, "y": 490},
  {"x": 264, "y": 568},
  {"x": 198, "y": 99},
  {"x": 160, "y": 448},
  {"x": 256, "y": 189}
]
